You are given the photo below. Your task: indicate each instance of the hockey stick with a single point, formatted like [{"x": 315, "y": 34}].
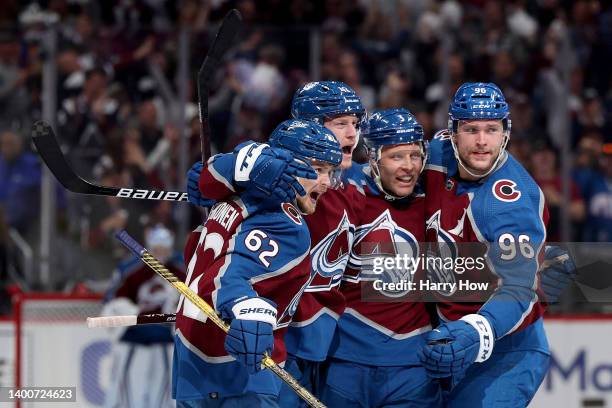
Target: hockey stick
[
  {"x": 223, "y": 41},
  {"x": 131, "y": 320},
  {"x": 49, "y": 150},
  {"x": 162, "y": 271}
]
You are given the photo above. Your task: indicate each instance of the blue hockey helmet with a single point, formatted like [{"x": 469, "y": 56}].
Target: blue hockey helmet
[
  {"x": 392, "y": 126},
  {"x": 307, "y": 141},
  {"x": 478, "y": 100},
  {"x": 325, "y": 99}
]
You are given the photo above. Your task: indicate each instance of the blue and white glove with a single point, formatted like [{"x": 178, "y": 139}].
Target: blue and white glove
[
  {"x": 452, "y": 347},
  {"x": 250, "y": 334},
  {"x": 270, "y": 173},
  {"x": 559, "y": 273}
]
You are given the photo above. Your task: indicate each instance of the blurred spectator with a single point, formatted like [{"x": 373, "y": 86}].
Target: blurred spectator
[
  {"x": 437, "y": 96},
  {"x": 545, "y": 171},
  {"x": 137, "y": 289},
  {"x": 192, "y": 14},
  {"x": 350, "y": 73},
  {"x": 593, "y": 172},
  {"x": 19, "y": 182},
  {"x": 150, "y": 124},
  {"x": 523, "y": 126},
  {"x": 331, "y": 46},
  {"x": 14, "y": 100},
  {"x": 395, "y": 91},
  {"x": 505, "y": 72},
  {"x": 599, "y": 224},
  {"x": 591, "y": 113},
  {"x": 521, "y": 149},
  {"x": 111, "y": 214},
  {"x": 84, "y": 118},
  {"x": 266, "y": 87},
  {"x": 117, "y": 128},
  {"x": 520, "y": 22}
]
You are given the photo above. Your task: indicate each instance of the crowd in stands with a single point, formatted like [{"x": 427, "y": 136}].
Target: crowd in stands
[{"x": 116, "y": 121}]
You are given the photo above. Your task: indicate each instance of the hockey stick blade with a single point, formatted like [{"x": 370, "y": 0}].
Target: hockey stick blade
[
  {"x": 49, "y": 150},
  {"x": 223, "y": 41}
]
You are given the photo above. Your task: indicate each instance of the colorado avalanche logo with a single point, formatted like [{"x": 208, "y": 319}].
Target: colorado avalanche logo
[
  {"x": 443, "y": 134},
  {"x": 379, "y": 238},
  {"x": 330, "y": 256},
  {"x": 445, "y": 248},
  {"x": 292, "y": 213},
  {"x": 505, "y": 190}
]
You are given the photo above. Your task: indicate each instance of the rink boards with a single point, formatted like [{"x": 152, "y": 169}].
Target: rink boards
[{"x": 67, "y": 353}]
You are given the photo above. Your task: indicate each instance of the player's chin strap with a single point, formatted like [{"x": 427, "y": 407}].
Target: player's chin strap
[
  {"x": 375, "y": 157},
  {"x": 502, "y": 150}
]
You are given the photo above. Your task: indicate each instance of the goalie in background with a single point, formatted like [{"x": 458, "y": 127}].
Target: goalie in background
[{"x": 141, "y": 369}]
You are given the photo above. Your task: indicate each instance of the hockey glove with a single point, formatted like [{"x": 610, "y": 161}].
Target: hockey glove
[
  {"x": 270, "y": 173},
  {"x": 193, "y": 190},
  {"x": 559, "y": 273},
  {"x": 452, "y": 347},
  {"x": 250, "y": 334}
]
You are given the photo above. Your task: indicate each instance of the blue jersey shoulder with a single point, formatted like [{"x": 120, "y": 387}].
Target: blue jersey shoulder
[{"x": 509, "y": 201}]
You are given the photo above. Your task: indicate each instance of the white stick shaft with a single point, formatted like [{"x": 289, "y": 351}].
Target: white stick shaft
[{"x": 111, "y": 321}]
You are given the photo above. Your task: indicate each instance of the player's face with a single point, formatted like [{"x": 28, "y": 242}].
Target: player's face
[
  {"x": 345, "y": 128},
  {"x": 315, "y": 188},
  {"x": 478, "y": 143},
  {"x": 399, "y": 167}
]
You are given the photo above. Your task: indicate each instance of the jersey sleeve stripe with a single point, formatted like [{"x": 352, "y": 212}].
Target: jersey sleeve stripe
[
  {"x": 481, "y": 238},
  {"x": 526, "y": 313},
  {"x": 435, "y": 167},
  {"x": 286, "y": 268},
  {"x": 218, "y": 177},
  {"x": 198, "y": 352},
  {"x": 389, "y": 333}
]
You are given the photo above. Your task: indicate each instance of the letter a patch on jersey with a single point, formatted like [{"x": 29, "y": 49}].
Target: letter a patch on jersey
[{"x": 505, "y": 190}]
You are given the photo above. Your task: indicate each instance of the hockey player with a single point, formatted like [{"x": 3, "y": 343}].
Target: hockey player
[
  {"x": 251, "y": 263},
  {"x": 374, "y": 361},
  {"x": 148, "y": 348},
  {"x": 495, "y": 352},
  {"x": 335, "y": 106}
]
